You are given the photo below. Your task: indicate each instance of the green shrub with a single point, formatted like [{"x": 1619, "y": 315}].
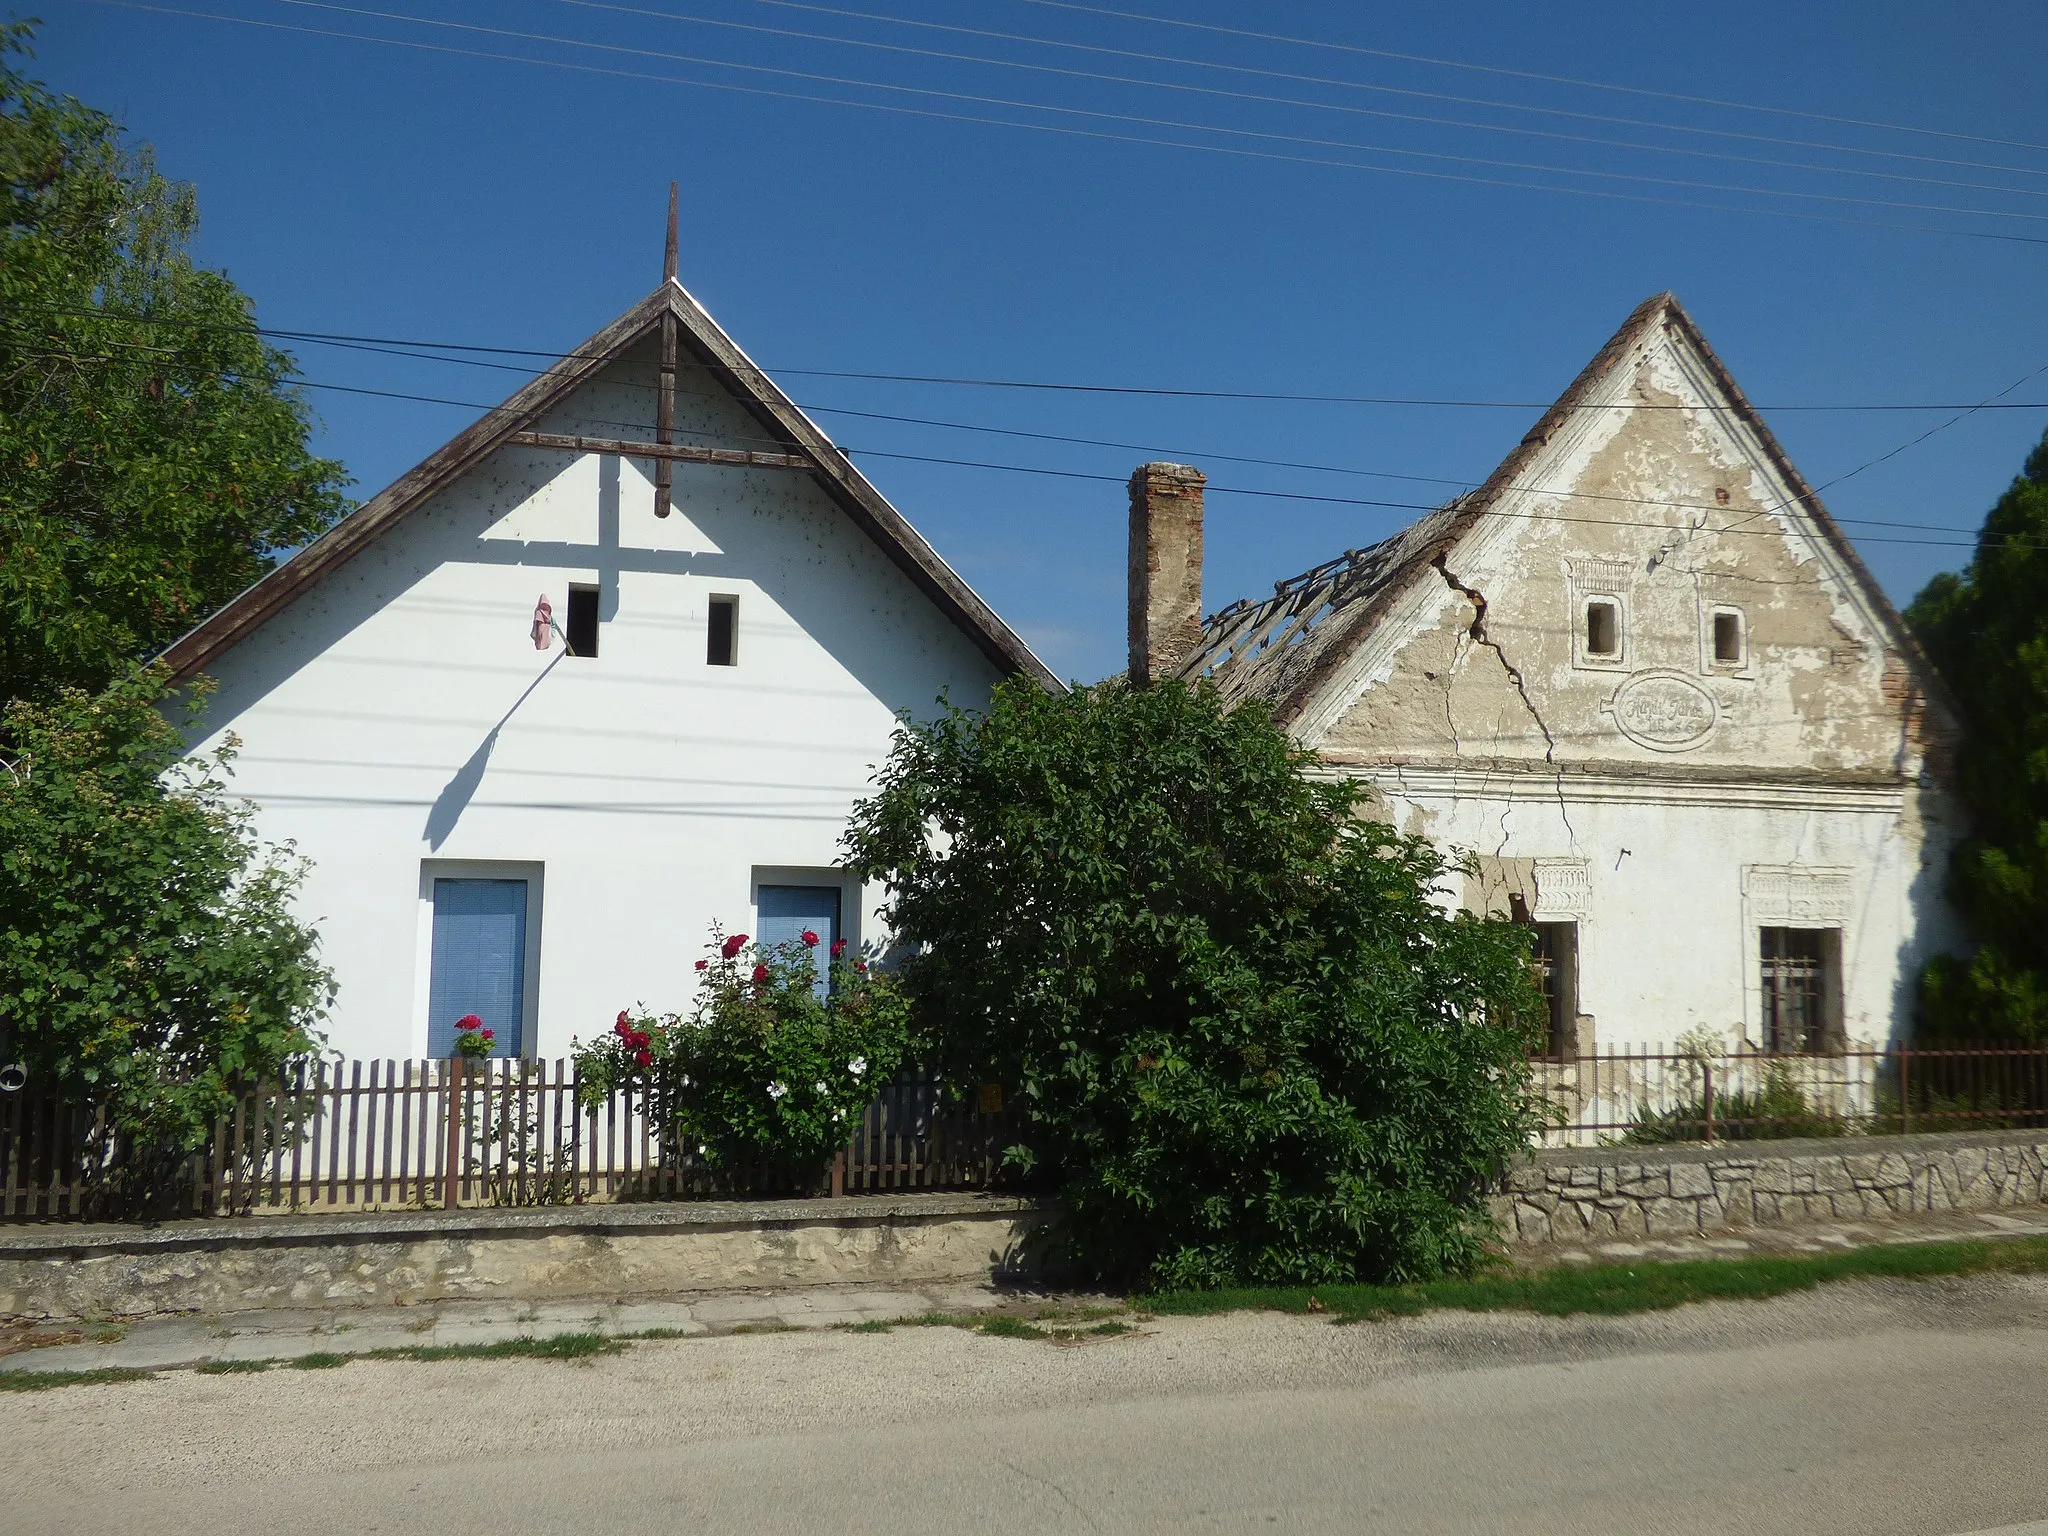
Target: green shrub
[
  {"x": 1252, "y": 1041},
  {"x": 1777, "y": 1111},
  {"x": 764, "y": 1071},
  {"x": 149, "y": 957}
]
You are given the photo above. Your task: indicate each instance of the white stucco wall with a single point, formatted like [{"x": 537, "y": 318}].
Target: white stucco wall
[
  {"x": 397, "y": 721},
  {"x": 1669, "y": 883}
]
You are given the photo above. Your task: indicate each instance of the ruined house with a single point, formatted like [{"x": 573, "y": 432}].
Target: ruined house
[{"x": 1641, "y": 676}]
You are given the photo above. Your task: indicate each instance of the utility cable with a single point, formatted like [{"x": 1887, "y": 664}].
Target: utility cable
[
  {"x": 1142, "y": 120},
  {"x": 1068, "y": 131},
  {"x": 1528, "y": 74},
  {"x": 1302, "y": 103},
  {"x": 345, "y": 338},
  {"x": 1391, "y": 90}
]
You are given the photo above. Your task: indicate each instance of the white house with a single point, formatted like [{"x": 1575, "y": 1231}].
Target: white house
[
  {"x": 1643, "y": 677},
  {"x": 542, "y": 832}
]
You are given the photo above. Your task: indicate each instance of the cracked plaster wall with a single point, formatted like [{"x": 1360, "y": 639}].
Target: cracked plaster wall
[{"x": 1666, "y": 774}]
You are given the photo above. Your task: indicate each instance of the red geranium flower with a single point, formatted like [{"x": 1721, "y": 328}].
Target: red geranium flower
[
  {"x": 810, "y": 939},
  {"x": 469, "y": 1021},
  {"x": 488, "y": 1035}
]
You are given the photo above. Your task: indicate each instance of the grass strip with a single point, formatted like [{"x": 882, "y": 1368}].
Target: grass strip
[
  {"x": 1613, "y": 1289},
  {"x": 42, "y": 1381}
]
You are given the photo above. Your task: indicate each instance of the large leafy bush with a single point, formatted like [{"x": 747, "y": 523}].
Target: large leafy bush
[
  {"x": 769, "y": 1069},
  {"x": 149, "y": 957},
  {"x": 1987, "y": 630},
  {"x": 1250, "y": 1033}
]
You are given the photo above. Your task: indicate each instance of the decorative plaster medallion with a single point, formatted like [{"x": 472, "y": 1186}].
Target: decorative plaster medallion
[{"x": 1664, "y": 711}]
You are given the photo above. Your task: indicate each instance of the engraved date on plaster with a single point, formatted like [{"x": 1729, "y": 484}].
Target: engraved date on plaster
[{"x": 1664, "y": 711}]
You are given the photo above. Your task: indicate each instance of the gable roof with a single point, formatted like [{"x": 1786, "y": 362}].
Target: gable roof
[
  {"x": 702, "y": 339},
  {"x": 1285, "y": 648}
]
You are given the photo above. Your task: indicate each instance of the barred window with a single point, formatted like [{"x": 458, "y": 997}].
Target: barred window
[{"x": 1799, "y": 988}]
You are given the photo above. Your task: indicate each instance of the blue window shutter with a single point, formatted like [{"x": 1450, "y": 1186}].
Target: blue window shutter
[
  {"x": 479, "y": 963},
  {"x": 787, "y": 910}
]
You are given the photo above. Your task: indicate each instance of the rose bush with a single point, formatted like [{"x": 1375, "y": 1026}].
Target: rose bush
[{"x": 762, "y": 1070}]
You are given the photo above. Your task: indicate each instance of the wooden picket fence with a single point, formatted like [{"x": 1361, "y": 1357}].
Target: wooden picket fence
[{"x": 397, "y": 1135}]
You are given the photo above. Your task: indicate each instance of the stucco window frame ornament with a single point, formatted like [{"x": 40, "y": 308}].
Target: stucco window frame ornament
[
  {"x": 1593, "y": 580},
  {"x": 1563, "y": 891},
  {"x": 1652, "y": 708}
]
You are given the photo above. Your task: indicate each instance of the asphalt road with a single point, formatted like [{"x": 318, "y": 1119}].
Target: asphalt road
[{"x": 1878, "y": 1407}]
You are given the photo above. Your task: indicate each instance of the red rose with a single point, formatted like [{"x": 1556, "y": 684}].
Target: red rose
[
  {"x": 733, "y": 945},
  {"x": 622, "y": 1029},
  {"x": 703, "y": 964},
  {"x": 643, "y": 1058},
  {"x": 622, "y": 1018},
  {"x": 860, "y": 965},
  {"x": 760, "y": 973},
  {"x": 810, "y": 939},
  {"x": 838, "y": 948}
]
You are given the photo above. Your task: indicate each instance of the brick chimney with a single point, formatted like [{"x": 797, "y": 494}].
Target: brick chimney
[{"x": 1165, "y": 569}]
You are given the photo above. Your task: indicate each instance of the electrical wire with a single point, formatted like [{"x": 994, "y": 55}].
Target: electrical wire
[
  {"x": 1068, "y": 131},
  {"x": 1286, "y": 101},
  {"x": 364, "y": 342},
  {"x": 1391, "y": 90},
  {"x": 1528, "y": 74},
  {"x": 726, "y": 436},
  {"x": 1140, "y": 119}
]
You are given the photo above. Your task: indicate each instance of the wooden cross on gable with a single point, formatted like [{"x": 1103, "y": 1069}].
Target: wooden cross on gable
[{"x": 664, "y": 450}]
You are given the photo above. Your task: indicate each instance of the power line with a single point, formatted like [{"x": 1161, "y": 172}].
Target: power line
[
  {"x": 1277, "y": 396},
  {"x": 1286, "y": 101},
  {"x": 1251, "y": 491},
  {"x": 1392, "y": 90},
  {"x": 1233, "y": 151},
  {"x": 1142, "y": 120},
  {"x": 1528, "y": 74}
]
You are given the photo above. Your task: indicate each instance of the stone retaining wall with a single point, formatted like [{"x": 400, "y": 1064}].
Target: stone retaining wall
[
  {"x": 1571, "y": 1194},
  {"x": 544, "y": 1253}
]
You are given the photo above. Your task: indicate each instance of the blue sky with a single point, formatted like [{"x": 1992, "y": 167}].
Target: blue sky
[{"x": 365, "y": 189}]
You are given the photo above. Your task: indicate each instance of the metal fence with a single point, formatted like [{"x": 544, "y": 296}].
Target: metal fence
[
  {"x": 383, "y": 1135},
  {"x": 1625, "y": 1096}
]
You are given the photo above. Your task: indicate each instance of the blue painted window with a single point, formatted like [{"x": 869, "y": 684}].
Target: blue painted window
[
  {"x": 787, "y": 910},
  {"x": 479, "y": 963}
]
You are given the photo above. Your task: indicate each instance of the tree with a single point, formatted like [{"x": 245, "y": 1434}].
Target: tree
[
  {"x": 152, "y": 457},
  {"x": 1987, "y": 630},
  {"x": 1249, "y": 1036},
  {"x": 148, "y": 955}
]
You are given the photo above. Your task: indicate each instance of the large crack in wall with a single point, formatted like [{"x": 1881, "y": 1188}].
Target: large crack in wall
[{"x": 1477, "y": 630}]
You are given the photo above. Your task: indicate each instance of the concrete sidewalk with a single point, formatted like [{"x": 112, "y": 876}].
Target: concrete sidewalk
[{"x": 287, "y": 1334}]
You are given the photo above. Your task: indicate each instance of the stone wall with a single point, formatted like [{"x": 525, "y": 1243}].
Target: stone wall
[
  {"x": 401, "y": 1258},
  {"x": 1578, "y": 1194}
]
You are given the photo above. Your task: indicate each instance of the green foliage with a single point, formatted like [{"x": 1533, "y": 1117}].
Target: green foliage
[
  {"x": 1987, "y": 629},
  {"x": 148, "y": 471},
  {"x": 1250, "y": 1038},
  {"x": 1773, "y": 1112},
  {"x": 148, "y": 954},
  {"x": 763, "y": 1071}
]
